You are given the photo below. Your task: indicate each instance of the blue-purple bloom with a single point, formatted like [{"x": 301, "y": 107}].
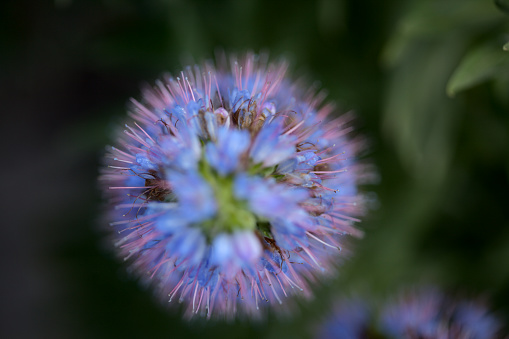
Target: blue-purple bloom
[
  {"x": 234, "y": 187},
  {"x": 350, "y": 318},
  {"x": 421, "y": 313},
  {"x": 428, "y": 313}
]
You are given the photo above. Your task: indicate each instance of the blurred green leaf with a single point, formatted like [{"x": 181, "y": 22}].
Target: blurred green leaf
[
  {"x": 478, "y": 65},
  {"x": 418, "y": 117},
  {"x": 429, "y": 20},
  {"x": 501, "y": 88},
  {"x": 503, "y": 5}
]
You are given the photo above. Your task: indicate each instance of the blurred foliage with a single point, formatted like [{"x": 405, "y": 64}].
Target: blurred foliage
[{"x": 428, "y": 79}]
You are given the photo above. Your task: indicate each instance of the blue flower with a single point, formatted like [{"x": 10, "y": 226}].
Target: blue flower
[
  {"x": 268, "y": 199},
  {"x": 271, "y": 147},
  {"x": 417, "y": 313},
  {"x": 231, "y": 252},
  {"x": 424, "y": 312},
  {"x": 224, "y": 154},
  {"x": 194, "y": 195},
  {"x": 429, "y": 313},
  {"x": 229, "y": 188},
  {"x": 474, "y": 319},
  {"x": 349, "y": 319},
  {"x": 188, "y": 243}
]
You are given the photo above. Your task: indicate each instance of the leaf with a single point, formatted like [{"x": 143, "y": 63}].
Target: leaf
[
  {"x": 433, "y": 19},
  {"x": 479, "y": 64},
  {"x": 503, "y": 5},
  {"x": 419, "y": 118}
]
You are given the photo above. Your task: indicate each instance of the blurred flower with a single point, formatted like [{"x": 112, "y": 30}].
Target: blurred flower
[
  {"x": 417, "y": 313},
  {"x": 231, "y": 186},
  {"x": 421, "y": 313},
  {"x": 430, "y": 314},
  {"x": 349, "y": 319}
]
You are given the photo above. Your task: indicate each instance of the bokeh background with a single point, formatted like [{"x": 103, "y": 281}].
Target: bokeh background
[{"x": 428, "y": 80}]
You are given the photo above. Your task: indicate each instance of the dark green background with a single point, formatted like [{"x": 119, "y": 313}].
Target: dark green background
[{"x": 67, "y": 69}]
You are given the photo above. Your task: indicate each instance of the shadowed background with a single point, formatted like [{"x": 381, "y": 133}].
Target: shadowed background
[{"x": 428, "y": 80}]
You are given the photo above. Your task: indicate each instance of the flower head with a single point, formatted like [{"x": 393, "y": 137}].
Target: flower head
[
  {"x": 424, "y": 312},
  {"x": 429, "y": 313},
  {"x": 234, "y": 187},
  {"x": 350, "y": 318}
]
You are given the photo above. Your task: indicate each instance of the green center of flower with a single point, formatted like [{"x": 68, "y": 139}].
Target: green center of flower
[{"x": 232, "y": 213}]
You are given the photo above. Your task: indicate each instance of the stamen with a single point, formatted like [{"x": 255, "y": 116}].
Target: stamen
[
  {"x": 321, "y": 241},
  {"x": 337, "y": 171},
  {"x": 272, "y": 287}
]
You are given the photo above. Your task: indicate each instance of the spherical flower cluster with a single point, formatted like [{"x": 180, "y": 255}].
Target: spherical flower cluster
[
  {"x": 232, "y": 187},
  {"x": 424, "y": 313},
  {"x": 350, "y": 318},
  {"x": 430, "y": 314}
]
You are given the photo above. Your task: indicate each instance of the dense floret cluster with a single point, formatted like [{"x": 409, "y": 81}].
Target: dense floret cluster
[
  {"x": 232, "y": 186},
  {"x": 421, "y": 313}
]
